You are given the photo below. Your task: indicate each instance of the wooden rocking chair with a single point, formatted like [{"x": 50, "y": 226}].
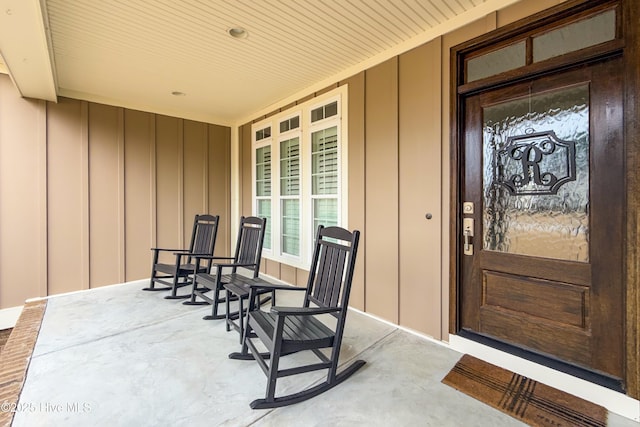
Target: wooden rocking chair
[
  {"x": 248, "y": 255},
  {"x": 286, "y": 330},
  {"x": 203, "y": 241}
]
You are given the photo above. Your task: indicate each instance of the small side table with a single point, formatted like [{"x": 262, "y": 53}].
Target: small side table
[{"x": 239, "y": 289}]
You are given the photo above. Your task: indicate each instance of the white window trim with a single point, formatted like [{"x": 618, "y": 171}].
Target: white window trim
[{"x": 307, "y": 233}]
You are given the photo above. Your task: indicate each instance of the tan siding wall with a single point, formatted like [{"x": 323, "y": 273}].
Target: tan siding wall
[
  {"x": 66, "y": 187},
  {"x": 522, "y": 10},
  {"x": 420, "y": 189},
  {"x": 399, "y": 115},
  {"x": 139, "y": 136},
  {"x": 381, "y": 192},
  {"x": 169, "y": 226},
  {"x": 272, "y": 268},
  {"x": 219, "y": 171},
  {"x": 195, "y": 183},
  {"x": 302, "y": 277},
  {"x": 288, "y": 274},
  {"x": 105, "y": 203},
  {"x": 21, "y": 225},
  {"x": 87, "y": 189}
]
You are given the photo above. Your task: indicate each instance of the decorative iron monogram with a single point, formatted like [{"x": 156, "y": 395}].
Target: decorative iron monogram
[{"x": 535, "y": 164}]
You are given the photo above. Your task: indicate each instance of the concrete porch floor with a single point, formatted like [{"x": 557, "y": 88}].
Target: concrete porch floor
[{"x": 119, "y": 356}]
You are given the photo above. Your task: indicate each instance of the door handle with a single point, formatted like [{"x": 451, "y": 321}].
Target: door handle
[
  {"x": 467, "y": 234},
  {"x": 467, "y": 241}
]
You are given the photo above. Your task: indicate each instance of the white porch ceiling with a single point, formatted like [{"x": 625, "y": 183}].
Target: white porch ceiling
[{"x": 135, "y": 53}]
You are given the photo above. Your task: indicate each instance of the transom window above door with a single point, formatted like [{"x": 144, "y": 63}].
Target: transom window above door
[{"x": 597, "y": 30}]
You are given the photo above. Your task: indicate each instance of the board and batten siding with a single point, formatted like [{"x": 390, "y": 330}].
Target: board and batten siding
[{"x": 87, "y": 189}]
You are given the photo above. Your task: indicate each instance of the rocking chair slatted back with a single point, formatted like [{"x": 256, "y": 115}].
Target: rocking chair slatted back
[
  {"x": 204, "y": 237},
  {"x": 330, "y": 259},
  {"x": 249, "y": 245}
]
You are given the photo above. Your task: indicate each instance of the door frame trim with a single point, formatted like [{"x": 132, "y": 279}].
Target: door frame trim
[
  {"x": 631, "y": 17},
  {"x": 630, "y": 46}
]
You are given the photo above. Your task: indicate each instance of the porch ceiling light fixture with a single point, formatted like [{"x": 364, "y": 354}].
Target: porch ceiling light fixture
[{"x": 238, "y": 33}]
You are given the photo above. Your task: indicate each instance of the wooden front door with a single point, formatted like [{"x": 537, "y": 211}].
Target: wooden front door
[{"x": 542, "y": 219}]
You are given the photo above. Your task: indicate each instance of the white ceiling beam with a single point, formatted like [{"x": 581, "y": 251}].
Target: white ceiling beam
[{"x": 25, "y": 48}]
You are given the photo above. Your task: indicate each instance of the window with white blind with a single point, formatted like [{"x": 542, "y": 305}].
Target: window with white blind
[
  {"x": 263, "y": 187},
  {"x": 324, "y": 176},
  {"x": 290, "y": 196},
  {"x": 307, "y": 178}
]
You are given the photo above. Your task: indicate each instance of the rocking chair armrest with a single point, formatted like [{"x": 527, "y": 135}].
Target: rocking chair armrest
[
  {"x": 233, "y": 264},
  {"x": 302, "y": 311},
  {"x": 205, "y": 256},
  {"x": 264, "y": 287},
  {"x": 260, "y": 287},
  {"x": 275, "y": 287},
  {"x": 169, "y": 250},
  {"x": 187, "y": 253},
  {"x": 201, "y": 257}
]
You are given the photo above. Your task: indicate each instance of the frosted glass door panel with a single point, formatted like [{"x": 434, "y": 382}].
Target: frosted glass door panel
[{"x": 536, "y": 175}]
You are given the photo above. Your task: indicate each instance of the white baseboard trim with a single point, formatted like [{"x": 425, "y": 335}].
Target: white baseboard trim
[
  {"x": 613, "y": 401},
  {"x": 402, "y": 328},
  {"x": 9, "y": 317}
]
